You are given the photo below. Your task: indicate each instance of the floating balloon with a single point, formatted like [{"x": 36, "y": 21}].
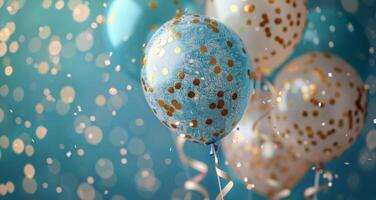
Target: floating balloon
[
  {"x": 196, "y": 77},
  {"x": 332, "y": 30},
  {"x": 269, "y": 29},
  {"x": 322, "y": 105},
  {"x": 257, "y": 157},
  {"x": 130, "y": 23}
]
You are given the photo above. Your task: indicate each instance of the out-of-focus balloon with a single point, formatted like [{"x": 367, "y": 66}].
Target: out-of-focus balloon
[
  {"x": 257, "y": 157},
  {"x": 332, "y": 30},
  {"x": 130, "y": 23},
  {"x": 321, "y": 108},
  {"x": 269, "y": 29},
  {"x": 196, "y": 77}
]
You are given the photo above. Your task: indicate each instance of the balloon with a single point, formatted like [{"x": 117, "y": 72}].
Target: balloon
[
  {"x": 269, "y": 29},
  {"x": 132, "y": 22},
  {"x": 257, "y": 157},
  {"x": 334, "y": 31},
  {"x": 321, "y": 105},
  {"x": 196, "y": 77}
]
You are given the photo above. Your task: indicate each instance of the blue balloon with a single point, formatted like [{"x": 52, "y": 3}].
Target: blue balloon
[
  {"x": 196, "y": 77},
  {"x": 132, "y": 22},
  {"x": 332, "y": 30}
]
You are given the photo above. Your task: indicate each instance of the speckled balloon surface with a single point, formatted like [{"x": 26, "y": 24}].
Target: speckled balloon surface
[
  {"x": 197, "y": 77},
  {"x": 269, "y": 29},
  {"x": 321, "y": 106}
]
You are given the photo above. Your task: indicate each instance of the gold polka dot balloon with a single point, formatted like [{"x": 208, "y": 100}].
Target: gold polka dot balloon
[
  {"x": 257, "y": 157},
  {"x": 270, "y": 29},
  {"x": 321, "y": 105},
  {"x": 196, "y": 77}
]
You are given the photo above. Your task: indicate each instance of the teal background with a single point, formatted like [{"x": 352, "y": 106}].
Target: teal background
[{"x": 356, "y": 180}]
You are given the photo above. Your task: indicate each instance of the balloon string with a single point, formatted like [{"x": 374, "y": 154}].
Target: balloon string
[
  {"x": 193, "y": 183},
  {"x": 221, "y": 174},
  {"x": 216, "y": 163},
  {"x": 267, "y": 112},
  {"x": 312, "y": 192},
  {"x": 316, "y": 183}
]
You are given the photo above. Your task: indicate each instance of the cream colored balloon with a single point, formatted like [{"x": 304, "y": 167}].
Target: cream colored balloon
[
  {"x": 270, "y": 29},
  {"x": 257, "y": 157},
  {"x": 321, "y": 105}
]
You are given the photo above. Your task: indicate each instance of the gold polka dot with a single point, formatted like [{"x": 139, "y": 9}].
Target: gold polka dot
[
  {"x": 220, "y": 104},
  {"x": 229, "y": 44},
  {"x": 177, "y": 86},
  {"x": 220, "y": 93},
  {"x": 193, "y": 123},
  {"x": 229, "y": 77},
  {"x": 203, "y": 49},
  {"x": 213, "y": 61},
  {"x": 217, "y": 69},
  {"x": 170, "y": 90},
  {"x": 249, "y": 8},
  {"x": 152, "y": 5},
  {"x": 230, "y": 63},
  {"x": 191, "y": 94},
  {"x": 212, "y": 105},
  {"x": 224, "y": 112},
  {"x": 181, "y": 75},
  {"x": 196, "y": 81}
]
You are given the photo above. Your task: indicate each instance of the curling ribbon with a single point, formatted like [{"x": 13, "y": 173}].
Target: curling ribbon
[
  {"x": 221, "y": 174},
  {"x": 193, "y": 183},
  {"x": 314, "y": 190}
]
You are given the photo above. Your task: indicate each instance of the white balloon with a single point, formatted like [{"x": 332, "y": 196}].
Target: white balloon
[
  {"x": 270, "y": 29},
  {"x": 257, "y": 157},
  {"x": 321, "y": 105}
]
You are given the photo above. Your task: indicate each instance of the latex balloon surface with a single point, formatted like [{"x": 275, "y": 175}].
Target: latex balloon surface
[
  {"x": 196, "y": 77},
  {"x": 269, "y": 29},
  {"x": 257, "y": 157},
  {"x": 322, "y": 105}
]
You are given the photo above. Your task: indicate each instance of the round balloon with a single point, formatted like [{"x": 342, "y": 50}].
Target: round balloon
[
  {"x": 196, "y": 77},
  {"x": 269, "y": 29},
  {"x": 321, "y": 105},
  {"x": 130, "y": 23},
  {"x": 257, "y": 157}
]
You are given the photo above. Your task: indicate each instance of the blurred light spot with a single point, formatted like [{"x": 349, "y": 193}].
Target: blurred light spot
[
  {"x": 93, "y": 135},
  {"x": 18, "y": 146},
  {"x": 136, "y": 146},
  {"x": 84, "y": 41},
  {"x": 18, "y": 94},
  {"x": 41, "y": 132},
  {"x": 8, "y": 70},
  {"x": 104, "y": 168},
  {"x": 29, "y": 171},
  {"x": 350, "y": 6},
  {"x": 118, "y": 136},
  {"x": 81, "y": 12},
  {"x": 29, "y": 185}
]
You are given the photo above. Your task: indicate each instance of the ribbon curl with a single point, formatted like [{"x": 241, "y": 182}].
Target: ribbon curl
[
  {"x": 311, "y": 192},
  {"x": 222, "y": 174},
  {"x": 193, "y": 184}
]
